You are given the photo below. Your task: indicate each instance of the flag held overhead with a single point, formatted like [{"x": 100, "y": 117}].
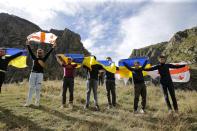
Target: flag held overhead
[{"x": 42, "y": 37}]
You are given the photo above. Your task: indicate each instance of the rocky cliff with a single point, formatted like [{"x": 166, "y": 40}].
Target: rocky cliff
[
  {"x": 13, "y": 33},
  {"x": 181, "y": 47}
]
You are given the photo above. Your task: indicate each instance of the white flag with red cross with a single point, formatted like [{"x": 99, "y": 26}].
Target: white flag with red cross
[
  {"x": 42, "y": 37},
  {"x": 178, "y": 75}
]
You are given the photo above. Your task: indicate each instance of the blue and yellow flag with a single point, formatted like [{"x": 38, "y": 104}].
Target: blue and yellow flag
[
  {"x": 19, "y": 62},
  {"x": 89, "y": 61},
  {"x": 124, "y": 72}
]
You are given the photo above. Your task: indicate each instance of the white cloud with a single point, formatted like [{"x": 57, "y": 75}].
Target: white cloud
[
  {"x": 155, "y": 23},
  {"x": 96, "y": 32}
]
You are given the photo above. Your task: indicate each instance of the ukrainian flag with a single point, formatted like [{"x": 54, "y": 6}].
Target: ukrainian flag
[
  {"x": 19, "y": 62},
  {"x": 124, "y": 72},
  {"x": 89, "y": 61}
]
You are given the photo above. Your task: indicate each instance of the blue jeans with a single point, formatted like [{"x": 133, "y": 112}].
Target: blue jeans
[
  {"x": 35, "y": 81},
  {"x": 91, "y": 85}
]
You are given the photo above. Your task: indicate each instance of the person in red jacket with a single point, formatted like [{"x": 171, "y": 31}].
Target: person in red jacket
[{"x": 68, "y": 82}]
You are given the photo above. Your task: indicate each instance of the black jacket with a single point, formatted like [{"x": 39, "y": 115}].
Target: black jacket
[
  {"x": 137, "y": 73},
  {"x": 93, "y": 73},
  {"x": 164, "y": 71},
  {"x": 36, "y": 66}
]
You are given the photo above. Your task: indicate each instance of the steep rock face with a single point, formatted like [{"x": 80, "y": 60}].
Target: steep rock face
[
  {"x": 13, "y": 33},
  {"x": 181, "y": 47}
]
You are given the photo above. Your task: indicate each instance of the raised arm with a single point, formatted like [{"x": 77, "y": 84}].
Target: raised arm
[
  {"x": 48, "y": 53},
  {"x": 129, "y": 68},
  {"x": 151, "y": 68},
  {"x": 60, "y": 60},
  {"x": 14, "y": 56},
  {"x": 144, "y": 65},
  {"x": 30, "y": 51},
  {"x": 175, "y": 66}
]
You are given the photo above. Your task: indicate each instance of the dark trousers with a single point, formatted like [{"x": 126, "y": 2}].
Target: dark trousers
[
  {"x": 68, "y": 83},
  {"x": 111, "y": 91},
  {"x": 139, "y": 89},
  {"x": 2, "y": 79},
  {"x": 169, "y": 87}
]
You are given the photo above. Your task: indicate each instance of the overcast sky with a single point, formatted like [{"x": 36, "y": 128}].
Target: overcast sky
[{"x": 109, "y": 27}]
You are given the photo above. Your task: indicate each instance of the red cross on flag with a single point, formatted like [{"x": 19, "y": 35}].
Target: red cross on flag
[{"x": 42, "y": 37}]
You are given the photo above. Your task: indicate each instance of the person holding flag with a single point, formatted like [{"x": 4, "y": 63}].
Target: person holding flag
[
  {"x": 92, "y": 84},
  {"x": 166, "y": 81},
  {"x": 4, "y": 61},
  {"x": 139, "y": 85},
  {"x": 110, "y": 86},
  {"x": 68, "y": 81},
  {"x": 37, "y": 71}
]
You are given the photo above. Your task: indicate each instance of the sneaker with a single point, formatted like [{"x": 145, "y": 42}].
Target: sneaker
[
  {"x": 142, "y": 111},
  {"x": 62, "y": 106},
  {"x": 26, "y": 105},
  {"x": 135, "y": 112},
  {"x": 97, "y": 107},
  {"x": 37, "y": 103},
  {"x": 177, "y": 111},
  {"x": 109, "y": 107},
  {"x": 169, "y": 111},
  {"x": 86, "y": 107},
  {"x": 71, "y": 105}
]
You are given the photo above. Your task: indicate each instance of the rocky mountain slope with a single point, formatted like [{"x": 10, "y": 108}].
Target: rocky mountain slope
[
  {"x": 13, "y": 33},
  {"x": 181, "y": 47}
]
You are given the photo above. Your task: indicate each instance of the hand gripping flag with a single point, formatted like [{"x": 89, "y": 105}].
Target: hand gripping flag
[
  {"x": 19, "y": 62},
  {"x": 42, "y": 37},
  {"x": 177, "y": 75},
  {"x": 123, "y": 72}
]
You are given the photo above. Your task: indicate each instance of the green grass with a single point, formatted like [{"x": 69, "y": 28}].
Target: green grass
[{"x": 13, "y": 116}]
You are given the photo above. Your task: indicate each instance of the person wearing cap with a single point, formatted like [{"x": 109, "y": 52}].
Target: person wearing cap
[
  {"x": 4, "y": 61},
  {"x": 110, "y": 86},
  {"x": 166, "y": 81},
  {"x": 37, "y": 71},
  {"x": 139, "y": 85},
  {"x": 68, "y": 82}
]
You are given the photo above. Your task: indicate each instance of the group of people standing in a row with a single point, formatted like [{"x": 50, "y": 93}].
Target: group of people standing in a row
[{"x": 36, "y": 78}]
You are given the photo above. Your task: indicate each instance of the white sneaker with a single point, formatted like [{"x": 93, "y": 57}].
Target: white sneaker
[
  {"x": 62, "y": 106},
  {"x": 142, "y": 111},
  {"x": 170, "y": 112},
  {"x": 26, "y": 105},
  {"x": 70, "y": 105},
  {"x": 37, "y": 104}
]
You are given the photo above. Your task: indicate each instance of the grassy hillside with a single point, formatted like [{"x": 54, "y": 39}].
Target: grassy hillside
[{"x": 13, "y": 116}]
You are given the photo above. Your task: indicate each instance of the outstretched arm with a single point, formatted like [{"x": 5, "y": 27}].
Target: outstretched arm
[
  {"x": 60, "y": 60},
  {"x": 129, "y": 68},
  {"x": 151, "y": 68},
  {"x": 14, "y": 56},
  {"x": 175, "y": 66}
]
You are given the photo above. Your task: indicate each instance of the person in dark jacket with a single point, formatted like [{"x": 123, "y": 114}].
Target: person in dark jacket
[
  {"x": 166, "y": 81},
  {"x": 68, "y": 82},
  {"x": 36, "y": 75},
  {"x": 92, "y": 84},
  {"x": 4, "y": 61},
  {"x": 110, "y": 86},
  {"x": 139, "y": 85}
]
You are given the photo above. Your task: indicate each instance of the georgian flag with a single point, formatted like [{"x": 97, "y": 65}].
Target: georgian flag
[
  {"x": 42, "y": 37},
  {"x": 177, "y": 75}
]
